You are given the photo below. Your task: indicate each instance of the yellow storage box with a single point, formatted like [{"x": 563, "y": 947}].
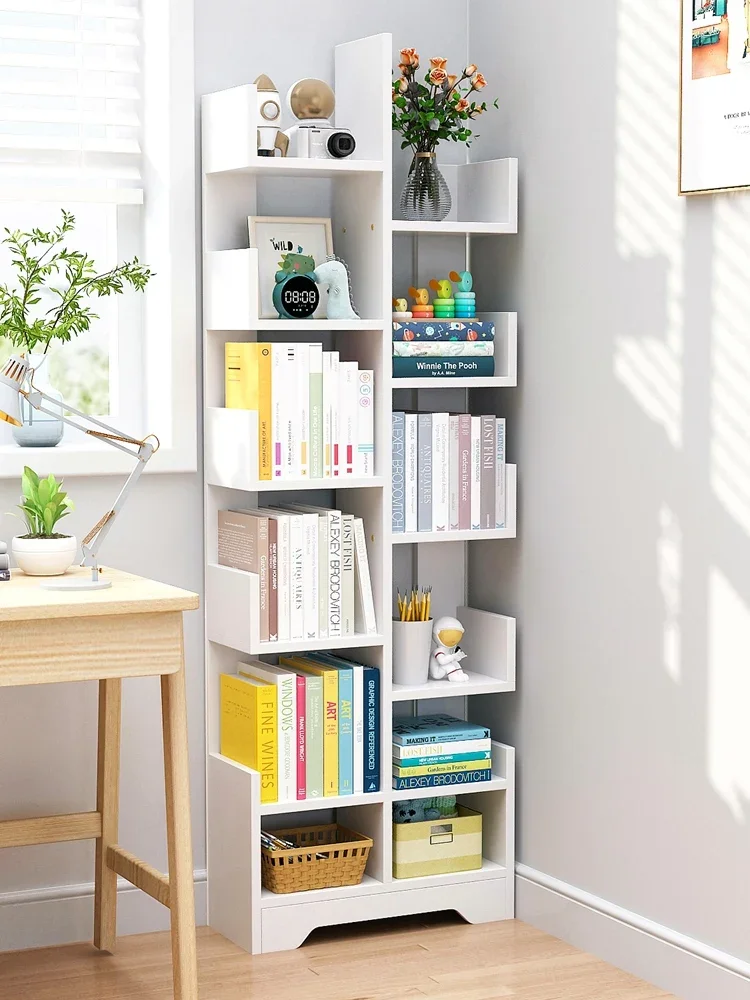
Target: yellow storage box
[{"x": 436, "y": 847}]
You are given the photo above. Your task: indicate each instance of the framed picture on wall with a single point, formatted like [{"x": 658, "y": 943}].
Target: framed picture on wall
[
  {"x": 714, "y": 96},
  {"x": 287, "y": 243}
]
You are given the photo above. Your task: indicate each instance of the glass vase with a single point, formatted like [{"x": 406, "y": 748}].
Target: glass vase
[
  {"x": 39, "y": 430},
  {"x": 426, "y": 197}
]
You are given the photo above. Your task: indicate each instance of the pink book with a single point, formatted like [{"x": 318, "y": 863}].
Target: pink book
[
  {"x": 301, "y": 737},
  {"x": 464, "y": 472}
]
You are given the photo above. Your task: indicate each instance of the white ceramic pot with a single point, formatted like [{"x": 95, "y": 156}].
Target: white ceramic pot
[{"x": 45, "y": 556}]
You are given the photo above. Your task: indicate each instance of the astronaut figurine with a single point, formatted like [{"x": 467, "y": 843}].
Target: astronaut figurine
[{"x": 446, "y": 653}]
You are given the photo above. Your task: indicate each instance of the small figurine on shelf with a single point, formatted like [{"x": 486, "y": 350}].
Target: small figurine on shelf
[
  {"x": 401, "y": 310},
  {"x": 446, "y": 653},
  {"x": 270, "y": 137},
  {"x": 334, "y": 273},
  {"x": 296, "y": 294},
  {"x": 444, "y": 304},
  {"x": 422, "y": 308},
  {"x": 464, "y": 296}
]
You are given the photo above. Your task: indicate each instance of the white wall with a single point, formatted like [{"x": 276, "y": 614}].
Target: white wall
[{"x": 631, "y": 576}]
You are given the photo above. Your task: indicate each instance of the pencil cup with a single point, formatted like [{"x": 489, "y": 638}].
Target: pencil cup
[{"x": 411, "y": 652}]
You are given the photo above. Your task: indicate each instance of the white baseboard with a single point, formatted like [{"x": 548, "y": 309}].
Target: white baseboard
[
  {"x": 662, "y": 956},
  {"x": 40, "y": 918}
]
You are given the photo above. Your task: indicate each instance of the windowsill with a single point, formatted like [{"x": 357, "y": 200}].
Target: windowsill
[{"x": 89, "y": 458}]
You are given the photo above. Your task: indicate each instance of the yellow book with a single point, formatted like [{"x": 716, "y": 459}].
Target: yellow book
[
  {"x": 330, "y": 717},
  {"x": 248, "y": 729},
  {"x": 265, "y": 443},
  {"x": 449, "y": 768},
  {"x": 241, "y": 376}
]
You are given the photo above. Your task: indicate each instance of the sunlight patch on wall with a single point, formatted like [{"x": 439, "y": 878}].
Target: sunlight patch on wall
[
  {"x": 728, "y": 732},
  {"x": 669, "y": 555},
  {"x": 649, "y": 218}
]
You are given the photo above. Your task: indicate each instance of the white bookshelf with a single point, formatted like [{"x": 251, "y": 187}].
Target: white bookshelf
[{"x": 360, "y": 192}]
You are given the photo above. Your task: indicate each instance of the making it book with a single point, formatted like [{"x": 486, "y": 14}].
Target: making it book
[{"x": 410, "y": 730}]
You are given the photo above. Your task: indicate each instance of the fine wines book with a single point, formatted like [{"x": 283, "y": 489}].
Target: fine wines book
[
  {"x": 445, "y": 330},
  {"x": 443, "y": 349},
  {"x": 372, "y": 729},
  {"x": 316, "y": 411},
  {"x": 476, "y": 472},
  {"x": 440, "y": 471},
  {"x": 398, "y": 421},
  {"x": 243, "y": 545},
  {"x": 442, "y": 780},
  {"x": 454, "y": 767},
  {"x": 424, "y": 483},
  {"x": 443, "y": 367},
  {"x": 410, "y": 730},
  {"x": 286, "y": 706},
  {"x": 419, "y": 751},
  {"x": 347, "y": 574},
  {"x": 500, "y": 476},
  {"x": 488, "y": 472},
  {"x": 464, "y": 472},
  {"x": 443, "y": 758},
  {"x": 366, "y": 425},
  {"x": 364, "y": 605},
  {"x": 411, "y": 471},
  {"x": 248, "y": 722}
]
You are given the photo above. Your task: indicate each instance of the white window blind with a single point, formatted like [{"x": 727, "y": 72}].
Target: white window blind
[{"x": 70, "y": 100}]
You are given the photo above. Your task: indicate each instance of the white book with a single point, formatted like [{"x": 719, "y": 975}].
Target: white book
[
  {"x": 302, "y": 406},
  {"x": 348, "y": 398},
  {"x": 315, "y": 398},
  {"x": 327, "y": 414},
  {"x": 365, "y": 465},
  {"x": 364, "y": 606},
  {"x": 291, "y": 425},
  {"x": 310, "y": 574},
  {"x": 500, "y": 476},
  {"x": 410, "y": 472},
  {"x": 453, "y": 472},
  {"x": 440, "y": 459},
  {"x": 476, "y": 472},
  {"x": 296, "y": 548},
  {"x": 279, "y": 398},
  {"x": 330, "y": 594},
  {"x": 335, "y": 414},
  {"x": 440, "y": 749},
  {"x": 358, "y": 721},
  {"x": 284, "y": 571},
  {"x": 286, "y": 685},
  {"x": 347, "y": 574}
]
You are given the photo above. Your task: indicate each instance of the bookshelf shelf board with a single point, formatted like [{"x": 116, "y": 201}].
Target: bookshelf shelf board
[
  {"x": 320, "y": 805},
  {"x": 367, "y": 887},
  {"x": 312, "y": 325},
  {"x": 489, "y": 870},
  {"x": 495, "y": 784},
  {"x": 476, "y": 684},
  {"x": 292, "y": 166},
  {"x": 417, "y": 537},
  {"x": 455, "y": 228},
  {"x": 283, "y": 485},
  {"x": 491, "y": 382},
  {"x": 358, "y": 641}
]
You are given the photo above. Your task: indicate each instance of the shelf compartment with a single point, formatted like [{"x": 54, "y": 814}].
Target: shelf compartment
[
  {"x": 503, "y": 758},
  {"x": 511, "y": 493},
  {"x": 366, "y": 887},
  {"x": 489, "y": 870}
]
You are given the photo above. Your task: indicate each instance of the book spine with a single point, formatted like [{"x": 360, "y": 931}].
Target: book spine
[
  {"x": 488, "y": 473},
  {"x": 443, "y": 758},
  {"x": 296, "y": 576},
  {"x": 442, "y": 780},
  {"x": 349, "y": 394},
  {"x": 397, "y": 472},
  {"x": 265, "y": 426},
  {"x": 279, "y": 380},
  {"x": 464, "y": 472},
  {"x": 443, "y": 349},
  {"x": 364, "y": 605},
  {"x": 237, "y": 704},
  {"x": 291, "y": 422},
  {"x": 323, "y": 575},
  {"x": 287, "y": 716},
  {"x": 310, "y": 574},
  {"x": 268, "y": 757},
  {"x": 440, "y": 460},
  {"x": 314, "y": 748},
  {"x": 372, "y": 730},
  {"x": 419, "y": 751},
  {"x": 302, "y": 407},
  {"x": 500, "y": 476},
  {"x": 346, "y": 732},
  {"x": 333, "y": 589},
  {"x": 264, "y": 589},
  {"x": 453, "y": 330},
  {"x": 424, "y": 506},
  {"x": 347, "y": 574},
  {"x": 335, "y": 414},
  {"x": 316, "y": 411},
  {"x": 273, "y": 579},
  {"x": 327, "y": 414},
  {"x": 459, "y": 767},
  {"x": 476, "y": 471},
  {"x": 284, "y": 559},
  {"x": 443, "y": 367},
  {"x": 331, "y": 733},
  {"x": 366, "y": 424},
  {"x": 241, "y": 376},
  {"x": 301, "y": 735},
  {"x": 439, "y": 736},
  {"x": 358, "y": 725},
  {"x": 453, "y": 475},
  {"x": 411, "y": 464}
]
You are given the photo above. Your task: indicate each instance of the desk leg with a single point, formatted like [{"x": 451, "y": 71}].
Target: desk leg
[
  {"x": 107, "y": 804},
  {"x": 179, "y": 846}
]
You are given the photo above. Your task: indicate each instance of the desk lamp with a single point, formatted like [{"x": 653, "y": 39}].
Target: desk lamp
[{"x": 12, "y": 378}]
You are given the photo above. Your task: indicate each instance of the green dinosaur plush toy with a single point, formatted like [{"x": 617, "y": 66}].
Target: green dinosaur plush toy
[{"x": 422, "y": 810}]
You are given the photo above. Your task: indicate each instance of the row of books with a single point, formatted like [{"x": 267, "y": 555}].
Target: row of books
[
  {"x": 310, "y": 726},
  {"x": 433, "y": 751},
  {"x": 458, "y": 348},
  {"x": 448, "y": 472},
  {"x": 312, "y": 565},
  {"x": 315, "y": 412}
]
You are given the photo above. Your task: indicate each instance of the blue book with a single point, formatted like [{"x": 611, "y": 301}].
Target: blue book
[
  {"x": 398, "y": 509},
  {"x": 346, "y": 719},
  {"x": 372, "y": 729},
  {"x": 408, "y": 730},
  {"x": 444, "y": 758},
  {"x": 438, "y": 780},
  {"x": 455, "y": 329},
  {"x": 443, "y": 367}
]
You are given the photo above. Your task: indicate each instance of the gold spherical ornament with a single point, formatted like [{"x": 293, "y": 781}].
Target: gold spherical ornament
[{"x": 311, "y": 99}]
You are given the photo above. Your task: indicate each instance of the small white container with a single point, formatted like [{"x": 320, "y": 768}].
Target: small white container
[
  {"x": 411, "y": 652},
  {"x": 45, "y": 556}
]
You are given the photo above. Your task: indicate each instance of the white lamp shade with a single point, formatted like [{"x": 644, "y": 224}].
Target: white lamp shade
[{"x": 11, "y": 380}]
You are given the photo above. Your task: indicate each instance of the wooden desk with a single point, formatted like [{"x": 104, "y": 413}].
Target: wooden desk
[{"x": 134, "y": 629}]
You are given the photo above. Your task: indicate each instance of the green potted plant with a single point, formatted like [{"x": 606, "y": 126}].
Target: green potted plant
[
  {"x": 42, "y": 551},
  {"x": 50, "y": 302}
]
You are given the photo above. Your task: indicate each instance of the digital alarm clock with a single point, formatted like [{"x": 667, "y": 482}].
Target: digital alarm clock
[{"x": 296, "y": 297}]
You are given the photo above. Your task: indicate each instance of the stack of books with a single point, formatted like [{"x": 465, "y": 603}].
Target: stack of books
[
  {"x": 433, "y": 751},
  {"x": 310, "y": 726},
  {"x": 448, "y": 472},
  {"x": 312, "y": 565},
  {"x": 442, "y": 349},
  {"x": 315, "y": 412}
]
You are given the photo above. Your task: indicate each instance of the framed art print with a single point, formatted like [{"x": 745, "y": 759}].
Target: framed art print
[
  {"x": 307, "y": 242},
  {"x": 714, "y": 96}
]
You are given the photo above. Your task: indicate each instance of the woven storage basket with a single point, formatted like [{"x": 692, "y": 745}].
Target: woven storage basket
[{"x": 324, "y": 857}]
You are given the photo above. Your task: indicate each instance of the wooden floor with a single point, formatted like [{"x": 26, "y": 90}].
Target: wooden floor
[{"x": 441, "y": 958}]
